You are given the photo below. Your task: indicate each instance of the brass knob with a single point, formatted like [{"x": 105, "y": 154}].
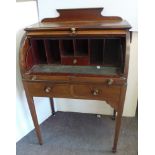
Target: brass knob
[
  {"x": 48, "y": 89},
  {"x": 73, "y": 30},
  {"x": 74, "y": 61},
  {"x": 34, "y": 77},
  {"x": 95, "y": 92},
  {"x": 110, "y": 81}
]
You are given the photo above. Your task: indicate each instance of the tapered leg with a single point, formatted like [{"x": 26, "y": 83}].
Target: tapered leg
[
  {"x": 34, "y": 118},
  {"x": 117, "y": 130},
  {"x": 114, "y": 115},
  {"x": 119, "y": 118},
  {"x": 52, "y": 106}
]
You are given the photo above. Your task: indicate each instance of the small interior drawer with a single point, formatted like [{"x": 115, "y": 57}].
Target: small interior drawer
[{"x": 74, "y": 60}]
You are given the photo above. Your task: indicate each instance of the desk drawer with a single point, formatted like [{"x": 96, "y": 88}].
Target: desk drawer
[
  {"x": 111, "y": 93},
  {"x": 48, "y": 89},
  {"x": 98, "y": 92}
]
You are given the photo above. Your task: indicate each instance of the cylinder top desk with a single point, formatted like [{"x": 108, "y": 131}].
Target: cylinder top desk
[{"x": 80, "y": 54}]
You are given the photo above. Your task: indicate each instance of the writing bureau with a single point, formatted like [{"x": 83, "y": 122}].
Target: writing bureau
[{"x": 80, "y": 54}]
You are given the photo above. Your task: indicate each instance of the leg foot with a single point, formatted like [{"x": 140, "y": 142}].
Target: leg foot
[
  {"x": 114, "y": 115},
  {"x": 52, "y": 106},
  {"x": 117, "y": 131},
  {"x": 98, "y": 116},
  {"x": 114, "y": 150}
]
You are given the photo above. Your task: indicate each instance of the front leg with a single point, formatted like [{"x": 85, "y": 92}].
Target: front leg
[
  {"x": 119, "y": 117},
  {"x": 33, "y": 115}
]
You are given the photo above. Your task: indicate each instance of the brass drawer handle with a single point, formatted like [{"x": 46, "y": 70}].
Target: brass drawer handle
[
  {"x": 48, "y": 89},
  {"x": 110, "y": 81},
  {"x": 74, "y": 61},
  {"x": 95, "y": 92},
  {"x": 73, "y": 30}
]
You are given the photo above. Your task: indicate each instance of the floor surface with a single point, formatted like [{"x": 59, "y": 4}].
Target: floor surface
[{"x": 80, "y": 134}]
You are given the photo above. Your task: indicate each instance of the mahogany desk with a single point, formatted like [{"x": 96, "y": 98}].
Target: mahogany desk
[{"x": 80, "y": 54}]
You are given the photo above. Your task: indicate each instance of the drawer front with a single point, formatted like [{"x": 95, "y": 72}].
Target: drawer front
[
  {"x": 111, "y": 93},
  {"x": 74, "y": 60},
  {"x": 48, "y": 89},
  {"x": 98, "y": 92}
]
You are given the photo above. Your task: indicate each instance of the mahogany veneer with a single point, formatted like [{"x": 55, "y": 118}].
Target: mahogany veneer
[{"x": 79, "y": 54}]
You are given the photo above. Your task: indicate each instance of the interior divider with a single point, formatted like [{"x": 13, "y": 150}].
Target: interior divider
[
  {"x": 38, "y": 51},
  {"x": 48, "y": 54},
  {"x": 52, "y": 51}
]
